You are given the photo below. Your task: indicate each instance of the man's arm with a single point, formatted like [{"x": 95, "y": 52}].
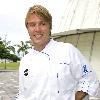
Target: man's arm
[{"x": 79, "y": 95}]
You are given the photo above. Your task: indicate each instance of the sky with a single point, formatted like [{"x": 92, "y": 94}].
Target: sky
[{"x": 13, "y": 13}]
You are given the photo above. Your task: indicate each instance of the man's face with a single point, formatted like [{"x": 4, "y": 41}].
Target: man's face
[{"x": 38, "y": 30}]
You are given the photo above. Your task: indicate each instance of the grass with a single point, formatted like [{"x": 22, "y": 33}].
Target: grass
[{"x": 9, "y": 66}]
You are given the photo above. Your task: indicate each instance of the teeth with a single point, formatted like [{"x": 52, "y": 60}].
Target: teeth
[{"x": 38, "y": 36}]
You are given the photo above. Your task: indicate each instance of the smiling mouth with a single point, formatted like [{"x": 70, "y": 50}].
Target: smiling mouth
[{"x": 38, "y": 36}]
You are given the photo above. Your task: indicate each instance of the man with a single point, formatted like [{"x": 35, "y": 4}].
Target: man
[{"x": 52, "y": 70}]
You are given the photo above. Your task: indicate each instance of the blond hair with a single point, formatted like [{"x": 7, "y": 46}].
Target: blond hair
[{"x": 40, "y": 11}]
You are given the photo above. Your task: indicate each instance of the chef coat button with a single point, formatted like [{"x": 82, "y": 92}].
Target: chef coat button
[{"x": 58, "y": 91}]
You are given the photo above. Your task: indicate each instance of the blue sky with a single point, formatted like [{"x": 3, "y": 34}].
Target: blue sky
[{"x": 13, "y": 12}]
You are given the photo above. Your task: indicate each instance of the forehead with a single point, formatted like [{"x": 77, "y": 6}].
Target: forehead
[{"x": 34, "y": 17}]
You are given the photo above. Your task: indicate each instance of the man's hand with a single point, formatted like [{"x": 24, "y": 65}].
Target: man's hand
[{"x": 79, "y": 95}]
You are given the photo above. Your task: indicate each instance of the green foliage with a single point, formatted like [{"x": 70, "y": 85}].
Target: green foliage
[
  {"x": 12, "y": 57},
  {"x": 23, "y": 47},
  {"x": 5, "y": 51}
]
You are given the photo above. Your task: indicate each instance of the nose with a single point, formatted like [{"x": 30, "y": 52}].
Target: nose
[{"x": 37, "y": 28}]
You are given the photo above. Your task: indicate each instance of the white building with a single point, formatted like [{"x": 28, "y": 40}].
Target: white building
[
  {"x": 87, "y": 41},
  {"x": 81, "y": 22}
]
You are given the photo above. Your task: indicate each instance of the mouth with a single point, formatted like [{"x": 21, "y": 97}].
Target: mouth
[{"x": 38, "y": 36}]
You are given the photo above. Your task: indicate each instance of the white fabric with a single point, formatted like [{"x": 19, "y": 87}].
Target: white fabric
[{"x": 55, "y": 73}]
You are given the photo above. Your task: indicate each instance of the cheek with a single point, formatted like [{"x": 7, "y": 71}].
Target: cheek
[
  {"x": 30, "y": 32},
  {"x": 47, "y": 30}
]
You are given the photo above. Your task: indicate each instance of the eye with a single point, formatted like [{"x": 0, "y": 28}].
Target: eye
[
  {"x": 42, "y": 23},
  {"x": 31, "y": 24}
]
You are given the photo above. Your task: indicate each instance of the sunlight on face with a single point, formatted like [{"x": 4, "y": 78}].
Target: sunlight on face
[{"x": 38, "y": 30}]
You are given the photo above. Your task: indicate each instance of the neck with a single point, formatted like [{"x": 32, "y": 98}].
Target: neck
[{"x": 40, "y": 47}]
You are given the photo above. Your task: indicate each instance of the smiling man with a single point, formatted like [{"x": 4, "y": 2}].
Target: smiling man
[
  {"x": 39, "y": 27},
  {"x": 52, "y": 70}
]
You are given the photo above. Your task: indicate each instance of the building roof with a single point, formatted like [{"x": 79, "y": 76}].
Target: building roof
[
  {"x": 80, "y": 15},
  {"x": 76, "y": 31}
]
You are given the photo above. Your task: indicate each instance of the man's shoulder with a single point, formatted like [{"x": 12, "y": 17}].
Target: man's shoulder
[{"x": 63, "y": 44}]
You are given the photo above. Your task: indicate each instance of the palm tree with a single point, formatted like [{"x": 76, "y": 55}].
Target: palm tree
[
  {"x": 23, "y": 47},
  {"x": 11, "y": 49}
]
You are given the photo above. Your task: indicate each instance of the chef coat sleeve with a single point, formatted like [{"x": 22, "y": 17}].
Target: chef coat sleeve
[{"x": 82, "y": 72}]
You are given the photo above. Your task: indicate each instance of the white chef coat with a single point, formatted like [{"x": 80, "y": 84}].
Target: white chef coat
[{"x": 55, "y": 73}]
